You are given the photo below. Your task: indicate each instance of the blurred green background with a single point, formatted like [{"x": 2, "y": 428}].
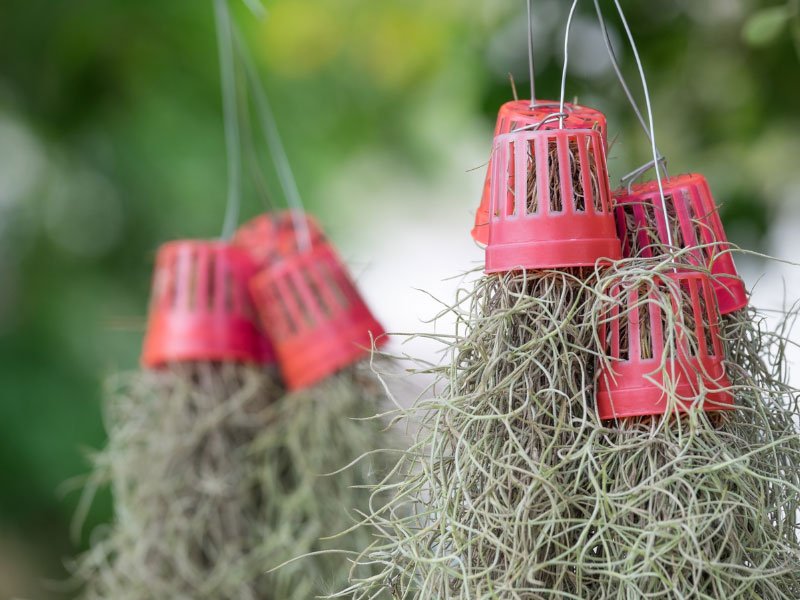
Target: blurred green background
[{"x": 111, "y": 142}]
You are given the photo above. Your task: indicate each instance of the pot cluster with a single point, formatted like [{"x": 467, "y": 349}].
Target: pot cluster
[
  {"x": 547, "y": 204},
  {"x": 262, "y": 298}
]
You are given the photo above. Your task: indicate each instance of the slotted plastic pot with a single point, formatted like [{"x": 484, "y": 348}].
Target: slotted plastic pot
[
  {"x": 644, "y": 363},
  {"x": 314, "y": 315},
  {"x": 200, "y": 308},
  {"x": 269, "y": 236},
  {"x": 550, "y": 201},
  {"x": 518, "y": 114},
  {"x": 697, "y": 227}
]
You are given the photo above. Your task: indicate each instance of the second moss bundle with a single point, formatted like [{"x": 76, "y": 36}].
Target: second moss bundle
[{"x": 217, "y": 473}]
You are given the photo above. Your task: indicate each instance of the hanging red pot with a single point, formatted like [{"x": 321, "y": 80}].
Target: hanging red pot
[
  {"x": 696, "y": 226},
  {"x": 200, "y": 308},
  {"x": 519, "y": 114},
  {"x": 549, "y": 201},
  {"x": 314, "y": 315},
  {"x": 269, "y": 236},
  {"x": 643, "y": 365}
]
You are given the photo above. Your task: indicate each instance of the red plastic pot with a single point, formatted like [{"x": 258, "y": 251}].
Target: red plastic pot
[
  {"x": 518, "y": 114},
  {"x": 267, "y": 237},
  {"x": 314, "y": 315},
  {"x": 643, "y": 229},
  {"x": 567, "y": 226},
  {"x": 639, "y": 372},
  {"x": 200, "y": 308}
]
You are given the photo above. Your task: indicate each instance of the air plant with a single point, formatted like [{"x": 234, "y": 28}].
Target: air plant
[
  {"x": 699, "y": 474},
  {"x": 757, "y": 482},
  {"x": 319, "y": 480},
  {"x": 218, "y": 473},
  {"x": 324, "y": 444},
  {"x": 517, "y": 486},
  {"x": 482, "y": 497},
  {"x": 191, "y": 512},
  {"x": 483, "y": 502},
  {"x": 589, "y": 441}
]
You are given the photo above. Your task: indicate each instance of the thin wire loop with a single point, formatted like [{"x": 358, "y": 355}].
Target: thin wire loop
[
  {"x": 566, "y": 60},
  {"x": 631, "y": 100},
  {"x": 539, "y": 124},
  {"x": 227, "y": 70},
  {"x": 530, "y": 57},
  {"x": 650, "y": 118},
  {"x": 251, "y": 155},
  {"x": 273, "y": 139}
]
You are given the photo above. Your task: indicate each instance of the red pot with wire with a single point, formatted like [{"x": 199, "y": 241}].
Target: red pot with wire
[
  {"x": 651, "y": 368},
  {"x": 694, "y": 230},
  {"x": 519, "y": 115},
  {"x": 549, "y": 201},
  {"x": 312, "y": 309}
]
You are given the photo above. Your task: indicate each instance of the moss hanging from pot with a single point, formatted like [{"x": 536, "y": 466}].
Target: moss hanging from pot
[
  {"x": 517, "y": 489},
  {"x": 698, "y": 504},
  {"x": 190, "y": 505},
  {"x": 323, "y": 465},
  {"x": 214, "y": 483},
  {"x": 483, "y": 500}
]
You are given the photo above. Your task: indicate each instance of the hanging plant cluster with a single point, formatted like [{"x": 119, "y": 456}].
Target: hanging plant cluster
[
  {"x": 216, "y": 471},
  {"x": 254, "y": 387},
  {"x": 614, "y": 421}
]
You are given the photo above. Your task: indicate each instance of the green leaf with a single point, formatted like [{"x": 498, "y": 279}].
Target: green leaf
[{"x": 766, "y": 25}]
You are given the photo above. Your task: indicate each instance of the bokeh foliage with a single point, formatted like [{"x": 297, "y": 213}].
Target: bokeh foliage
[{"x": 111, "y": 142}]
